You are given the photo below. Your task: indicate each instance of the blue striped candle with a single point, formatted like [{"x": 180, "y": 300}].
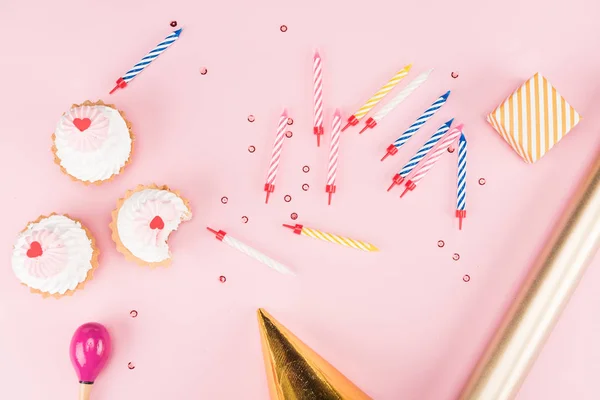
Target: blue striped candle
[
  {"x": 412, "y": 163},
  {"x": 461, "y": 189},
  {"x": 425, "y": 148},
  {"x": 435, "y": 106},
  {"x": 147, "y": 59}
]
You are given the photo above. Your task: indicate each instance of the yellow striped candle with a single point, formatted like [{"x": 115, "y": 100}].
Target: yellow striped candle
[
  {"x": 381, "y": 93},
  {"x": 330, "y": 237}
]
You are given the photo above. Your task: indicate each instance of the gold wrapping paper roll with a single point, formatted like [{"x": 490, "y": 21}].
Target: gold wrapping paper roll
[
  {"x": 545, "y": 292},
  {"x": 297, "y": 372}
]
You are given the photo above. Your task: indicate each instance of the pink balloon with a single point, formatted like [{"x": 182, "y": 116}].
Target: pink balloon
[{"x": 90, "y": 349}]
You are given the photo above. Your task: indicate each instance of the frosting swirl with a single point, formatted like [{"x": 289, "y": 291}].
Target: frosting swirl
[
  {"x": 92, "y": 142},
  {"x": 53, "y": 255},
  {"x": 146, "y": 219}
]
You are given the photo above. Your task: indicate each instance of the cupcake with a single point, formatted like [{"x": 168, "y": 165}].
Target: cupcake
[
  {"x": 143, "y": 221},
  {"x": 92, "y": 142},
  {"x": 54, "y": 256}
]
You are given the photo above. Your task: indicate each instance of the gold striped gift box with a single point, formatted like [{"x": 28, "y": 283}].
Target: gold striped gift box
[{"x": 534, "y": 118}]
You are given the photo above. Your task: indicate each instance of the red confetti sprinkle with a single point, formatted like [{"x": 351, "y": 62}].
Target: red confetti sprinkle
[
  {"x": 173, "y": 24},
  {"x": 450, "y": 149},
  {"x": 203, "y": 71},
  {"x": 251, "y": 118},
  {"x": 306, "y": 168},
  {"x": 289, "y": 134},
  {"x": 283, "y": 28},
  {"x": 133, "y": 313},
  {"x": 456, "y": 256},
  {"x": 482, "y": 181},
  {"x": 290, "y": 121},
  {"x": 251, "y": 149},
  {"x": 131, "y": 365},
  {"x": 244, "y": 219},
  {"x": 305, "y": 187},
  {"x": 224, "y": 200},
  {"x": 222, "y": 279},
  {"x": 294, "y": 216},
  {"x": 454, "y": 75},
  {"x": 441, "y": 243},
  {"x": 287, "y": 198},
  {"x": 466, "y": 278}
]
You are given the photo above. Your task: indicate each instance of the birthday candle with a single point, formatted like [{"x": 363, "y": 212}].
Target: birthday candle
[
  {"x": 393, "y": 148},
  {"x": 250, "y": 251},
  {"x": 395, "y": 102},
  {"x": 333, "y": 154},
  {"x": 408, "y": 167},
  {"x": 318, "y": 97},
  {"x": 461, "y": 182},
  {"x": 381, "y": 93},
  {"x": 276, "y": 155},
  {"x": 146, "y": 60},
  {"x": 433, "y": 156},
  {"x": 330, "y": 237}
]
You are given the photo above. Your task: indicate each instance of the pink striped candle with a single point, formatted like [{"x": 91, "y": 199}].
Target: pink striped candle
[
  {"x": 318, "y": 97},
  {"x": 276, "y": 155},
  {"x": 433, "y": 156},
  {"x": 333, "y": 154}
]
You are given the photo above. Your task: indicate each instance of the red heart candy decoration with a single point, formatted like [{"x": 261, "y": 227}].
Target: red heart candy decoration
[
  {"x": 157, "y": 223},
  {"x": 82, "y": 124},
  {"x": 35, "y": 250}
]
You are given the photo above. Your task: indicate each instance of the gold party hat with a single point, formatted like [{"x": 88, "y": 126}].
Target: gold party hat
[{"x": 295, "y": 371}]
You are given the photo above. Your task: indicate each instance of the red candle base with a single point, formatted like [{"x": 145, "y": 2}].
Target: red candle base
[
  {"x": 297, "y": 228},
  {"x": 461, "y": 214},
  {"x": 318, "y": 130},
  {"x": 331, "y": 190},
  {"x": 120, "y": 85},
  {"x": 370, "y": 124},
  {"x": 410, "y": 186},
  {"x": 351, "y": 122},
  {"x": 219, "y": 234},
  {"x": 397, "y": 180},
  {"x": 269, "y": 188},
  {"x": 390, "y": 151}
]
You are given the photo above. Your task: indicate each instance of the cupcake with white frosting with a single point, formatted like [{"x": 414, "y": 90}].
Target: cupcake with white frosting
[
  {"x": 92, "y": 142},
  {"x": 143, "y": 221},
  {"x": 54, "y": 255}
]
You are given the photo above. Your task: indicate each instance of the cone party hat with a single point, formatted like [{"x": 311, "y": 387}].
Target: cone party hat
[{"x": 295, "y": 371}]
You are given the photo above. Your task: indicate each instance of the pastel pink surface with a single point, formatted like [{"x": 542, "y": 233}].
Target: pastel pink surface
[{"x": 401, "y": 323}]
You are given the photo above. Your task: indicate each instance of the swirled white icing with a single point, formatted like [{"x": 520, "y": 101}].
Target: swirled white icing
[
  {"x": 146, "y": 219},
  {"x": 53, "y": 255},
  {"x": 92, "y": 143}
]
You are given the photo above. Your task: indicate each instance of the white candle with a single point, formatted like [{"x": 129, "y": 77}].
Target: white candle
[{"x": 402, "y": 95}]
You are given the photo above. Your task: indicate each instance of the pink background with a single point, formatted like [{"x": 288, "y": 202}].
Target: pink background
[{"x": 401, "y": 324}]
